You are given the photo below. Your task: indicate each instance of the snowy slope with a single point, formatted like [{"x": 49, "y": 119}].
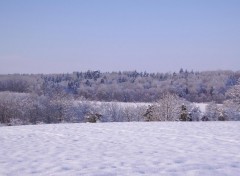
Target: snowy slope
[{"x": 109, "y": 149}]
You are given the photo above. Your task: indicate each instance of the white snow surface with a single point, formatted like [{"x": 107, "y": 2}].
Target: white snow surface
[
  {"x": 111, "y": 149},
  {"x": 202, "y": 106}
]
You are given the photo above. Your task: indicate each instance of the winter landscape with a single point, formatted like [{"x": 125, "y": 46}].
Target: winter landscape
[
  {"x": 119, "y": 88},
  {"x": 134, "y": 148},
  {"x": 53, "y": 131}
]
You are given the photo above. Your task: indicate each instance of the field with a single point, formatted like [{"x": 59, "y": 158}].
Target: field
[{"x": 109, "y": 149}]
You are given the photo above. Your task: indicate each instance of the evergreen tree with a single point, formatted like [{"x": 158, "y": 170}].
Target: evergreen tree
[
  {"x": 184, "y": 114},
  {"x": 148, "y": 116}
]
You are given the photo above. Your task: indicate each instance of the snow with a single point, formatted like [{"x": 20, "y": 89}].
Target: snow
[
  {"x": 121, "y": 104},
  {"x": 111, "y": 149},
  {"x": 202, "y": 106}
]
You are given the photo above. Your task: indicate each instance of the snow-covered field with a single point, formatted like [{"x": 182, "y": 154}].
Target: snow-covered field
[
  {"x": 202, "y": 106},
  {"x": 109, "y": 149}
]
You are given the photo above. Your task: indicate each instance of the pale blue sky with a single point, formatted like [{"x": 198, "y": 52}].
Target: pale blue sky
[{"x": 56, "y": 36}]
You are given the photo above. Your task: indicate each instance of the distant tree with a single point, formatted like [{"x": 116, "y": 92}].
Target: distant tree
[
  {"x": 93, "y": 118},
  {"x": 234, "y": 94},
  {"x": 181, "y": 71},
  {"x": 15, "y": 108},
  {"x": 149, "y": 114},
  {"x": 215, "y": 112},
  {"x": 195, "y": 113},
  {"x": 231, "y": 110},
  {"x": 232, "y": 106},
  {"x": 184, "y": 116},
  {"x": 111, "y": 112},
  {"x": 167, "y": 108},
  {"x": 133, "y": 113}
]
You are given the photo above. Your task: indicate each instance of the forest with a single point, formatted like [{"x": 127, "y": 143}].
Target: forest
[{"x": 70, "y": 97}]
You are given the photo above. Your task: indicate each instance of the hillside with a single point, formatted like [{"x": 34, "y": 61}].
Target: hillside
[{"x": 166, "y": 148}]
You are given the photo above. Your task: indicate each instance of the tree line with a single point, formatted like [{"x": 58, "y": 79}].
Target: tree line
[
  {"x": 131, "y": 86},
  {"x": 80, "y": 96}
]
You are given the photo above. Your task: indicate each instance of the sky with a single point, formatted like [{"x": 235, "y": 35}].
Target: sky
[{"x": 60, "y": 36}]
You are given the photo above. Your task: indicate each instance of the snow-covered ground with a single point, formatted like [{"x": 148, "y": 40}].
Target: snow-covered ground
[
  {"x": 202, "y": 106},
  {"x": 109, "y": 149}
]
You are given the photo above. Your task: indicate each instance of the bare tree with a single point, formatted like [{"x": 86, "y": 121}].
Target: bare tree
[{"x": 168, "y": 108}]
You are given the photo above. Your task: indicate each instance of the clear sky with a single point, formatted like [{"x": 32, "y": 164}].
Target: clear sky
[{"x": 58, "y": 36}]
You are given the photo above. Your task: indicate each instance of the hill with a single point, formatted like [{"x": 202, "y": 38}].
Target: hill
[{"x": 167, "y": 148}]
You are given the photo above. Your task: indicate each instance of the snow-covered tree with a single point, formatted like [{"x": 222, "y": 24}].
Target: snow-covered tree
[
  {"x": 111, "y": 112},
  {"x": 215, "y": 112},
  {"x": 168, "y": 108},
  {"x": 15, "y": 108},
  {"x": 232, "y": 105},
  {"x": 195, "y": 113},
  {"x": 234, "y": 94},
  {"x": 231, "y": 110}
]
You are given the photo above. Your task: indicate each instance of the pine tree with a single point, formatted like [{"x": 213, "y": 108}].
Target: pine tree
[
  {"x": 148, "y": 116},
  {"x": 184, "y": 114}
]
